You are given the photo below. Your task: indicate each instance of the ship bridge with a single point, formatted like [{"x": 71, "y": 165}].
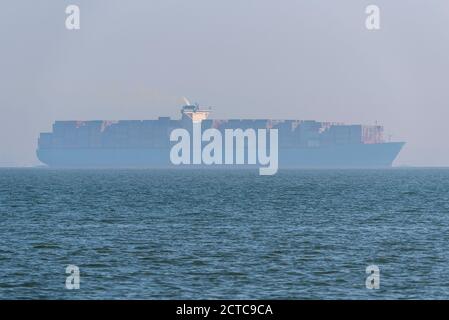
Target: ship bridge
[{"x": 195, "y": 112}]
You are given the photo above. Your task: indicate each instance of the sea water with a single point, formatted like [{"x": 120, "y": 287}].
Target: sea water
[{"x": 206, "y": 234}]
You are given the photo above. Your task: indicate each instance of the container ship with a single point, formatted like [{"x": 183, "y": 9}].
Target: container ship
[{"x": 146, "y": 143}]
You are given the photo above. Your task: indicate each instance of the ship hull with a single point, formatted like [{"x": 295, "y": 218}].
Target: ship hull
[{"x": 379, "y": 155}]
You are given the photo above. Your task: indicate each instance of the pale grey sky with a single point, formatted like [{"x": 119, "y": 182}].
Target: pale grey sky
[{"x": 296, "y": 59}]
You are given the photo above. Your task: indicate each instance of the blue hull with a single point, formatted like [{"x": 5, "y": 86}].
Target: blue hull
[{"x": 339, "y": 156}]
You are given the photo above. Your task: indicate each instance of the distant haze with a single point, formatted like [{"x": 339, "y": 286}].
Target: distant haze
[{"x": 246, "y": 58}]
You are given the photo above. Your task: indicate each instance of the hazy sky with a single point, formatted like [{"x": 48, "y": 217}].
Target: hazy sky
[{"x": 296, "y": 59}]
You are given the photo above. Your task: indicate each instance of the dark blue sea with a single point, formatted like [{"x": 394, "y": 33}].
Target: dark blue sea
[{"x": 181, "y": 234}]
